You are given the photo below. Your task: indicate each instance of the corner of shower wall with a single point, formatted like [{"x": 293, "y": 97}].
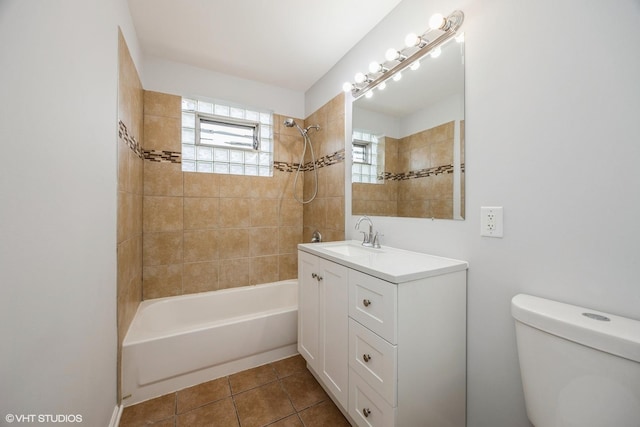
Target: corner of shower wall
[
  {"x": 130, "y": 188},
  {"x": 326, "y": 212}
]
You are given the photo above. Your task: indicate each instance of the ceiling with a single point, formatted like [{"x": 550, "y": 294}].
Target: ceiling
[{"x": 285, "y": 43}]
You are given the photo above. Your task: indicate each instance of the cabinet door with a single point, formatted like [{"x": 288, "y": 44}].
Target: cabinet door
[
  {"x": 308, "y": 308},
  {"x": 334, "y": 329}
]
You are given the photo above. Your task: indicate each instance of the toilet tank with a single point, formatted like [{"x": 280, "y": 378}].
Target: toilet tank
[{"x": 579, "y": 367}]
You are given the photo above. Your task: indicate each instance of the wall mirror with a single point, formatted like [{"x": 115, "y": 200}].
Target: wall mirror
[{"x": 408, "y": 141}]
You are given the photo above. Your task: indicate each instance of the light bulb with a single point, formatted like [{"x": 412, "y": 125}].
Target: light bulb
[
  {"x": 415, "y": 65},
  {"x": 359, "y": 77},
  {"x": 368, "y": 94},
  {"x": 375, "y": 67},
  {"x": 436, "y": 21},
  {"x": 397, "y": 77},
  {"x": 347, "y": 86},
  {"x": 382, "y": 85},
  {"x": 411, "y": 40},
  {"x": 436, "y": 52},
  {"x": 391, "y": 54}
]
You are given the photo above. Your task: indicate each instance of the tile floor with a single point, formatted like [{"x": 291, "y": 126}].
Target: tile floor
[{"x": 278, "y": 394}]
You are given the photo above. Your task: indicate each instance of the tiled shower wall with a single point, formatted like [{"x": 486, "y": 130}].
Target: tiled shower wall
[
  {"x": 204, "y": 231},
  {"x": 130, "y": 178},
  {"x": 379, "y": 199},
  {"x": 419, "y": 177},
  {"x": 326, "y": 212}
]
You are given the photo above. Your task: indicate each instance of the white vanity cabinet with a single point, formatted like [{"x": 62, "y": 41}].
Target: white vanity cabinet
[
  {"x": 322, "y": 321},
  {"x": 390, "y": 326}
]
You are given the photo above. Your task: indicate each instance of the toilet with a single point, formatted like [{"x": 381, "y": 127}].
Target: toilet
[{"x": 579, "y": 367}]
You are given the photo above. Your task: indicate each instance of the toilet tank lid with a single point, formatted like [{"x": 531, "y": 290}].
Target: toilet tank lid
[{"x": 617, "y": 335}]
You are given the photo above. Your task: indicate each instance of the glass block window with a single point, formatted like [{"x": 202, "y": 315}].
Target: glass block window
[
  {"x": 221, "y": 138},
  {"x": 368, "y": 157}
]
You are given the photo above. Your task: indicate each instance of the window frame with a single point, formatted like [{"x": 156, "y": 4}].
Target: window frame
[{"x": 227, "y": 121}]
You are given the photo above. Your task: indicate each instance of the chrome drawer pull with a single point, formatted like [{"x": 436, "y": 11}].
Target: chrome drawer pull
[
  {"x": 366, "y": 412},
  {"x": 366, "y": 357},
  {"x": 366, "y": 302}
]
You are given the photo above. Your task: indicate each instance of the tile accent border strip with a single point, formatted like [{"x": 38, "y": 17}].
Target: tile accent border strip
[
  {"x": 328, "y": 160},
  {"x": 163, "y": 156},
  {"x": 130, "y": 140},
  {"x": 420, "y": 173}
]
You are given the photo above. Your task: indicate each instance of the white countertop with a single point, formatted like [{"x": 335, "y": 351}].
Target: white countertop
[{"x": 387, "y": 263}]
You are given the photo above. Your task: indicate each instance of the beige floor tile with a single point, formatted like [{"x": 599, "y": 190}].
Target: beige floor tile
[
  {"x": 263, "y": 405},
  {"x": 147, "y": 412},
  {"x": 221, "y": 413},
  {"x": 202, "y": 394},
  {"x": 291, "y": 421},
  {"x": 322, "y": 415},
  {"x": 251, "y": 378},
  {"x": 303, "y": 390},
  {"x": 290, "y": 365}
]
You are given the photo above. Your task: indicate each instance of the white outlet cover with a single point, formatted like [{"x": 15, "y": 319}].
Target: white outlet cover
[{"x": 491, "y": 219}]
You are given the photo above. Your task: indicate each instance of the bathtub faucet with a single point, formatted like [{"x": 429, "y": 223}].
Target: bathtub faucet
[{"x": 369, "y": 239}]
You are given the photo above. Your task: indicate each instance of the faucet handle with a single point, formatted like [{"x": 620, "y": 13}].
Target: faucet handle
[{"x": 376, "y": 240}]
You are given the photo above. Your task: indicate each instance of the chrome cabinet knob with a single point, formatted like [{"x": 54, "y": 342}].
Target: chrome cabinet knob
[
  {"x": 366, "y": 357},
  {"x": 319, "y": 278},
  {"x": 366, "y": 302},
  {"x": 366, "y": 412},
  {"x": 314, "y": 276}
]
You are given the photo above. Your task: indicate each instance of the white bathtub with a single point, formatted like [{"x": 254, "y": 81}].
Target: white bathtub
[{"x": 178, "y": 342}]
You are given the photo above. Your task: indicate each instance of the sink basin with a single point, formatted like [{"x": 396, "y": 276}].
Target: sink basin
[{"x": 350, "y": 250}]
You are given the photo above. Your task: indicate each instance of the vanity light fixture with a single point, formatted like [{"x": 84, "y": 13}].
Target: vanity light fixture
[{"x": 441, "y": 29}]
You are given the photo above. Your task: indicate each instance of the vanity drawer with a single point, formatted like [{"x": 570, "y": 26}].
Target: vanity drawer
[
  {"x": 374, "y": 303},
  {"x": 366, "y": 407},
  {"x": 374, "y": 359}
]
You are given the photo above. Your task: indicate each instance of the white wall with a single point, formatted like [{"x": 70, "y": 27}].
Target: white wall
[
  {"x": 175, "y": 78},
  {"x": 58, "y": 127},
  {"x": 552, "y": 125}
]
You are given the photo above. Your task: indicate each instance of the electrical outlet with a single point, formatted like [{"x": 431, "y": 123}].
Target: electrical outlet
[{"x": 491, "y": 221}]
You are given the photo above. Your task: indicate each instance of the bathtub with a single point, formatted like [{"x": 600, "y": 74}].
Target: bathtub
[{"x": 182, "y": 341}]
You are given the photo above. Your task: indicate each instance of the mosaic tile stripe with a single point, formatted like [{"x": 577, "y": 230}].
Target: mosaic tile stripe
[
  {"x": 328, "y": 160},
  {"x": 163, "y": 156},
  {"x": 130, "y": 140},
  {"x": 420, "y": 173}
]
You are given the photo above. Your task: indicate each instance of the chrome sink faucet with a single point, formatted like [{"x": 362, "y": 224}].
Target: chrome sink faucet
[{"x": 369, "y": 239}]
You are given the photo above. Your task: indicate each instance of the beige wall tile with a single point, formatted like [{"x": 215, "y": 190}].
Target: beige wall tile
[
  {"x": 263, "y": 241},
  {"x": 288, "y": 266},
  {"x": 201, "y": 184},
  {"x": 235, "y": 212},
  {"x": 264, "y": 269},
  {"x": 162, "y": 248},
  {"x": 335, "y": 213},
  {"x": 202, "y": 245},
  {"x": 442, "y": 153},
  {"x": 162, "y": 281},
  {"x": 162, "y": 104},
  {"x": 290, "y": 213},
  {"x": 234, "y": 273},
  {"x": 162, "y": 213},
  {"x": 162, "y": 133},
  {"x": 264, "y": 212},
  {"x": 237, "y": 186},
  {"x": 200, "y": 277},
  {"x": 442, "y": 208},
  {"x": 162, "y": 179},
  {"x": 201, "y": 212},
  {"x": 288, "y": 239},
  {"x": 335, "y": 179},
  {"x": 233, "y": 243},
  {"x": 420, "y": 158}
]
